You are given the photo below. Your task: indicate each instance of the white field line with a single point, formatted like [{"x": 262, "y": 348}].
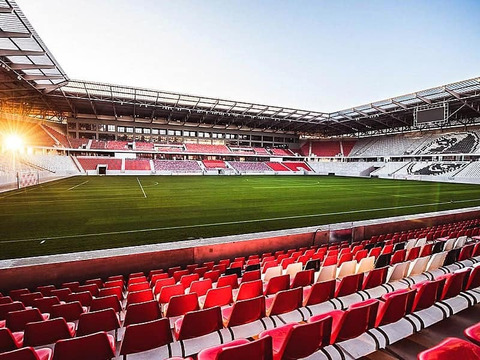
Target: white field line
[
  {"x": 73, "y": 187},
  {"x": 141, "y": 188},
  {"x": 234, "y": 222}
]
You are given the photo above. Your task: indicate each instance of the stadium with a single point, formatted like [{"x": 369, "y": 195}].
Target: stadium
[{"x": 148, "y": 224}]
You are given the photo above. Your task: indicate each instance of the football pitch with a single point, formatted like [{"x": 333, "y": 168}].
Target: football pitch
[{"x": 88, "y": 213}]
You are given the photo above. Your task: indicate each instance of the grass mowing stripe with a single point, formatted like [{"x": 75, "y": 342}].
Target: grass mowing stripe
[{"x": 235, "y": 222}]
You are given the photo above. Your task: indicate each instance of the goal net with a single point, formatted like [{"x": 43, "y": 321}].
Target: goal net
[{"x": 25, "y": 179}]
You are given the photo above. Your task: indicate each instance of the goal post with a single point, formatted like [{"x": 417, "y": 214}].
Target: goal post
[{"x": 27, "y": 178}]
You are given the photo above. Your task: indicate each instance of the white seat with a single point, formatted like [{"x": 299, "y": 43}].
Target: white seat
[
  {"x": 421, "y": 241},
  {"x": 366, "y": 264},
  {"x": 418, "y": 266},
  {"x": 347, "y": 268},
  {"x": 398, "y": 271},
  {"x": 271, "y": 272},
  {"x": 449, "y": 244},
  {"x": 327, "y": 273},
  {"x": 460, "y": 242},
  {"x": 293, "y": 269},
  {"x": 410, "y": 244},
  {"x": 436, "y": 260}
]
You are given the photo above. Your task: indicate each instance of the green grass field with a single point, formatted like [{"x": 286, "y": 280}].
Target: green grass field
[{"x": 87, "y": 213}]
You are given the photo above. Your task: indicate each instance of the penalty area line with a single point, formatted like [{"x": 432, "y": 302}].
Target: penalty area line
[
  {"x": 233, "y": 222},
  {"x": 141, "y": 188},
  {"x": 73, "y": 187}
]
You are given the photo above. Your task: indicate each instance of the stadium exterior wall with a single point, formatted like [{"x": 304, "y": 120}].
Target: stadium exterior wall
[{"x": 55, "y": 269}]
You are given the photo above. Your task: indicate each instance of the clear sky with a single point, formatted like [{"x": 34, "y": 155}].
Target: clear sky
[{"x": 315, "y": 55}]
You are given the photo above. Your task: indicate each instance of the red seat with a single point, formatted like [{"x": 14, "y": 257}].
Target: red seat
[
  {"x": 413, "y": 253},
  {"x": 284, "y": 301},
  {"x": 347, "y": 324},
  {"x": 142, "y": 312},
  {"x": 168, "y": 291},
  {"x": 295, "y": 341},
  {"x": 97, "y": 281},
  {"x": 395, "y": 307},
  {"x": 46, "y": 289},
  {"x": 276, "y": 284},
  {"x": 398, "y": 257},
  {"x": 302, "y": 278},
  {"x": 244, "y": 311},
  {"x": 61, "y": 293},
  {"x": 10, "y": 341},
  {"x": 47, "y": 332},
  {"x": 136, "y": 278},
  {"x": 98, "y": 346},
  {"x": 139, "y": 296},
  {"x": 85, "y": 297},
  {"x": 92, "y": 322},
  {"x": 161, "y": 283},
  {"x": 15, "y": 294},
  {"x": 72, "y": 285},
  {"x": 451, "y": 348},
  {"x": 114, "y": 283},
  {"x": 374, "y": 278},
  {"x": 466, "y": 252},
  {"x": 139, "y": 286},
  {"x": 198, "y": 323},
  {"x": 177, "y": 275},
  {"x": 16, "y": 320},
  {"x": 27, "y": 299},
  {"x": 251, "y": 275},
  {"x": 5, "y": 300},
  {"x": 181, "y": 304},
  {"x": 200, "y": 271},
  {"x": 373, "y": 305},
  {"x": 249, "y": 290},
  {"x": 211, "y": 353},
  {"x": 319, "y": 292},
  {"x": 349, "y": 285},
  {"x": 473, "y": 333},
  {"x": 212, "y": 274},
  {"x": 427, "y": 294},
  {"x": 69, "y": 311},
  {"x": 106, "y": 302},
  {"x": 228, "y": 280},
  {"x": 8, "y": 307},
  {"x": 200, "y": 287},
  {"x": 186, "y": 280},
  {"x": 145, "y": 336},
  {"x": 155, "y": 277},
  {"x": 474, "y": 279},
  {"x": 260, "y": 349},
  {"x": 27, "y": 353},
  {"x": 454, "y": 283},
  {"x": 219, "y": 296},
  {"x": 45, "y": 304},
  {"x": 91, "y": 288}
]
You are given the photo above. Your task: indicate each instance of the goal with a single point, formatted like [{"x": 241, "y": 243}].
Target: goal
[{"x": 26, "y": 179}]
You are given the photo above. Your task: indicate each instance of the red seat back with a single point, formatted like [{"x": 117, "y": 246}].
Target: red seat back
[
  {"x": 96, "y": 346},
  {"x": 146, "y": 336},
  {"x": 246, "y": 311},
  {"x": 200, "y": 322}
]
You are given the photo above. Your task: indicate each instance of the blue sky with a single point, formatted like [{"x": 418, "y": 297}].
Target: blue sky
[{"x": 315, "y": 55}]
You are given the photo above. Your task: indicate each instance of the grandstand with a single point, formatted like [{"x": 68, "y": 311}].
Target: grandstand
[{"x": 147, "y": 224}]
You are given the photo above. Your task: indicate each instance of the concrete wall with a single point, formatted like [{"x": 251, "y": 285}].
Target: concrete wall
[{"x": 55, "y": 269}]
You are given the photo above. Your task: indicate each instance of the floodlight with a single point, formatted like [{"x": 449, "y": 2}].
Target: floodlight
[{"x": 13, "y": 142}]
